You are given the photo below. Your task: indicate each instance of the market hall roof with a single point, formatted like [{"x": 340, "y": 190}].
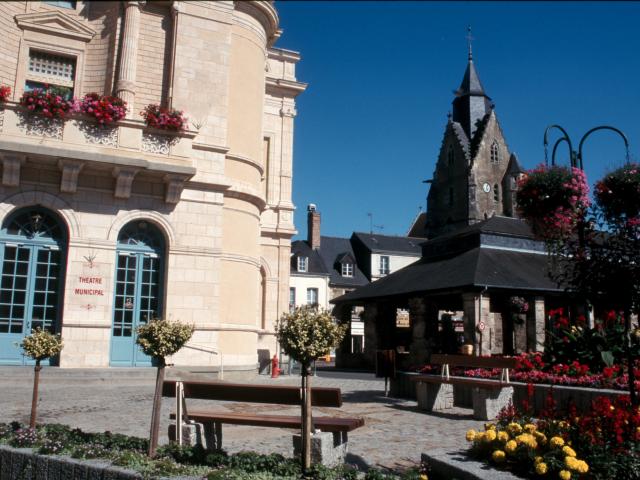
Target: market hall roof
[
  {"x": 388, "y": 243},
  {"x": 500, "y": 252}
]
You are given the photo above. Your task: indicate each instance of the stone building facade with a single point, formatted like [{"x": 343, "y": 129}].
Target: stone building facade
[{"x": 105, "y": 228}]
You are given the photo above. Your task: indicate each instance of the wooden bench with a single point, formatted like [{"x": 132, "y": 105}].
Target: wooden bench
[
  {"x": 213, "y": 419},
  {"x": 489, "y": 396}
]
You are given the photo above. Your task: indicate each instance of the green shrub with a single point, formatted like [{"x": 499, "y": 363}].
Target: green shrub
[
  {"x": 162, "y": 338},
  {"x": 41, "y": 345}
]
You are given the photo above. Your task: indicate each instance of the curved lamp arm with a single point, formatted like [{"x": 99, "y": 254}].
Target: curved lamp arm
[
  {"x": 603, "y": 127},
  {"x": 565, "y": 137}
]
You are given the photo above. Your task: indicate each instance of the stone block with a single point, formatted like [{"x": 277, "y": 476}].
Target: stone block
[
  {"x": 192, "y": 434},
  {"x": 41, "y": 466},
  {"x": 21, "y": 466},
  {"x": 5, "y": 465},
  {"x": 434, "y": 396},
  {"x": 487, "y": 402},
  {"x": 327, "y": 448}
]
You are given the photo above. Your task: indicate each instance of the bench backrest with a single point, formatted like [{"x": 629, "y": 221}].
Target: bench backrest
[
  {"x": 473, "y": 361},
  {"x": 237, "y": 392}
]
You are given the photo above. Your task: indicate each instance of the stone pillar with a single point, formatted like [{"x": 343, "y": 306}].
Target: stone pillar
[
  {"x": 370, "y": 332},
  {"x": 418, "y": 319},
  {"x": 471, "y": 317},
  {"x": 484, "y": 337},
  {"x": 126, "y": 84},
  {"x": 540, "y": 323}
]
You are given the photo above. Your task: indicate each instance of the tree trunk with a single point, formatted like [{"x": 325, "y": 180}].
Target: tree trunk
[
  {"x": 34, "y": 398},
  {"x": 306, "y": 417},
  {"x": 155, "y": 416}
]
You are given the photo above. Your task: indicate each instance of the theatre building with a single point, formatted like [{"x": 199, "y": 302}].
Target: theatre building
[{"x": 106, "y": 227}]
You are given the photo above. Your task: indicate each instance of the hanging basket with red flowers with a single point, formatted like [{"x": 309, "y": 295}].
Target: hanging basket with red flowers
[
  {"x": 618, "y": 193},
  {"x": 163, "y": 118},
  {"x": 553, "y": 199},
  {"x": 104, "y": 108},
  {"x": 46, "y": 102},
  {"x": 5, "y": 93}
]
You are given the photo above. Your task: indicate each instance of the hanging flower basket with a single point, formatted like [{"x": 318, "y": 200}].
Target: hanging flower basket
[
  {"x": 5, "y": 93},
  {"x": 104, "y": 108},
  {"x": 46, "y": 103},
  {"x": 618, "y": 194},
  {"x": 553, "y": 200},
  {"x": 519, "y": 305},
  {"x": 162, "y": 118}
]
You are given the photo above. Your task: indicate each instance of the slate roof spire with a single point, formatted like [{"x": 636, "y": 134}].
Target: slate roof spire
[{"x": 471, "y": 103}]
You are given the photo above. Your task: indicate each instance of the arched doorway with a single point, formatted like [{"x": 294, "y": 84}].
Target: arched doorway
[
  {"x": 139, "y": 286},
  {"x": 33, "y": 244}
]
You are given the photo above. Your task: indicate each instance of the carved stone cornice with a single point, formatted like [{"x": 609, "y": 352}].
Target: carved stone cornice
[
  {"x": 266, "y": 14},
  {"x": 55, "y": 22}
]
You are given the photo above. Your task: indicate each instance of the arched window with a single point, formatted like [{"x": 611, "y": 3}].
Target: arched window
[
  {"x": 495, "y": 152},
  {"x": 139, "y": 285},
  {"x": 496, "y": 193},
  {"x": 33, "y": 243}
]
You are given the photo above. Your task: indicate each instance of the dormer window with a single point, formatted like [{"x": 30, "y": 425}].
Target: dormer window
[
  {"x": 495, "y": 152},
  {"x": 347, "y": 269},
  {"x": 303, "y": 264}
]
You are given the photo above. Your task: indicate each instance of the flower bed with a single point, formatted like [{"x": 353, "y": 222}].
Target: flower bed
[
  {"x": 601, "y": 444},
  {"x": 173, "y": 460}
]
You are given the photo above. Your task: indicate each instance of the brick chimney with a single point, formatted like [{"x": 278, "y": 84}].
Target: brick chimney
[{"x": 313, "y": 226}]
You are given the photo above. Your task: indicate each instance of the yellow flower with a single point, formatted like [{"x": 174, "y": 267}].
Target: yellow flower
[
  {"x": 498, "y": 456},
  {"x": 490, "y": 435},
  {"x": 571, "y": 463},
  {"x": 504, "y": 436},
  {"x": 489, "y": 426},
  {"x": 563, "y": 425},
  {"x": 479, "y": 437},
  {"x": 540, "y": 437},
  {"x": 511, "y": 446},
  {"x": 527, "y": 439},
  {"x": 568, "y": 451},
  {"x": 565, "y": 474},
  {"x": 541, "y": 468},
  {"x": 582, "y": 466},
  {"x": 537, "y": 460},
  {"x": 471, "y": 435},
  {"x": 556, "y": 442},
  {"x": 423, "y": 476},
  {"x": 530, "y": 428},
  {"x": 514, "y": 428}
]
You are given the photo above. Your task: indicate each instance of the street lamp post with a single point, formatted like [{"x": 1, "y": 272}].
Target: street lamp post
[{"x": 576, "y": 160}]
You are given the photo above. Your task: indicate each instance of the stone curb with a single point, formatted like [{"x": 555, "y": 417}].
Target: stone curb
[
  {"x": 23, "y": 464},
  {"x": 457, "y": 466}
]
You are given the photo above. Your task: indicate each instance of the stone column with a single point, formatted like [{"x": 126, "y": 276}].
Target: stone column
[
  {"x": 471, "y": 318},
  {"x": 540, "y": 323},
  {"x": 370, "y": 332},
  {"x": 484, "y": 337},
  {"x": 418, "y": 318},
  {"x": 126, "y": 84}
]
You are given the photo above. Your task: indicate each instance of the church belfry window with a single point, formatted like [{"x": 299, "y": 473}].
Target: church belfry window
[
  {"x": 495, "y": 152},
  {"x": 450, "y": 157},
  {"x": 496, "y": 193}
]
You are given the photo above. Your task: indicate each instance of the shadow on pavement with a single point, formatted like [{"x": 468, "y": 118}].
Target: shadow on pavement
[{"x": 369, "y": 396}]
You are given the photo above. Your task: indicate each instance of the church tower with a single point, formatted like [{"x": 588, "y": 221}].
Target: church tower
[{"x": 475, "y": 175}]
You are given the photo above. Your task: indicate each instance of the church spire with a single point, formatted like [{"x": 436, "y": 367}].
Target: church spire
[{"x": 471, "y": 103}]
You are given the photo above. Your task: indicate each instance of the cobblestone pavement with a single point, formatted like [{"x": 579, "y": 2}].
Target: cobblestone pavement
[{"x": 119, "y": 400}]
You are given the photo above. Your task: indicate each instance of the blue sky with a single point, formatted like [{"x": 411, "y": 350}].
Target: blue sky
[{"x": 381, "y": 76}]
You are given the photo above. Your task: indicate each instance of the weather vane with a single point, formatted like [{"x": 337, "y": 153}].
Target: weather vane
[{"x": 469, "y": 40}]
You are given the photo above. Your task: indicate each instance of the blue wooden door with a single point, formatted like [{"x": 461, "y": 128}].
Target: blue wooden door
[
  {"x": 137, "y": 294},
  {"x": 30, "y": 280}
]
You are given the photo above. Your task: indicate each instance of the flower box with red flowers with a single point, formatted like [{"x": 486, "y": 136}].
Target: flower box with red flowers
[
  {"x": 5, "y": 93},
  {"x": 553, "y": 199},
  {"x": 618, "y": 193},
  {"x": 46, "y": 102},
  {"x": 162, "y": 118},
  {"x": 105, "y": 109}
]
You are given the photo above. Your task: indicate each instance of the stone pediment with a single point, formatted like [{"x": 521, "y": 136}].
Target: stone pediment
[{"x": 55, "y": 23}]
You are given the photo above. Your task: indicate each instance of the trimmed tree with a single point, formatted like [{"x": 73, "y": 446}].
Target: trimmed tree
[
  {"x": 40, "y": 345},
  {"x": 160, "y": 339},
  {"x": 306, "y": 334}
]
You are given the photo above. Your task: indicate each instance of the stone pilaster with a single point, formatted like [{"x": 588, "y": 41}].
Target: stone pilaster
[
  {"x": 540, "y": 323},
  {"x": 484, "y": 337},
  {"x": 471, "y": 317},
  {"x": 126, "y": 84}
]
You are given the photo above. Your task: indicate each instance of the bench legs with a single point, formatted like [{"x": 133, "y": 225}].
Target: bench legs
[
  {"x": 327, "y": 448},
  {"x": 213, "y": 435},
  {"x": 487, "y": 402},
  {"x": 192, "y": 433},
  {"x": 434, "y": 396}
]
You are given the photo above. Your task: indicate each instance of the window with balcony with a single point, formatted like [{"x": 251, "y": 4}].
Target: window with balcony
[
  {"x": 384, "y": 265},
  {"x": 312, "y": 296},
  {"x": 347, "y": 270},
  {"x": 54, "y": 73},
  {"x": 303, "y": 264}
]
